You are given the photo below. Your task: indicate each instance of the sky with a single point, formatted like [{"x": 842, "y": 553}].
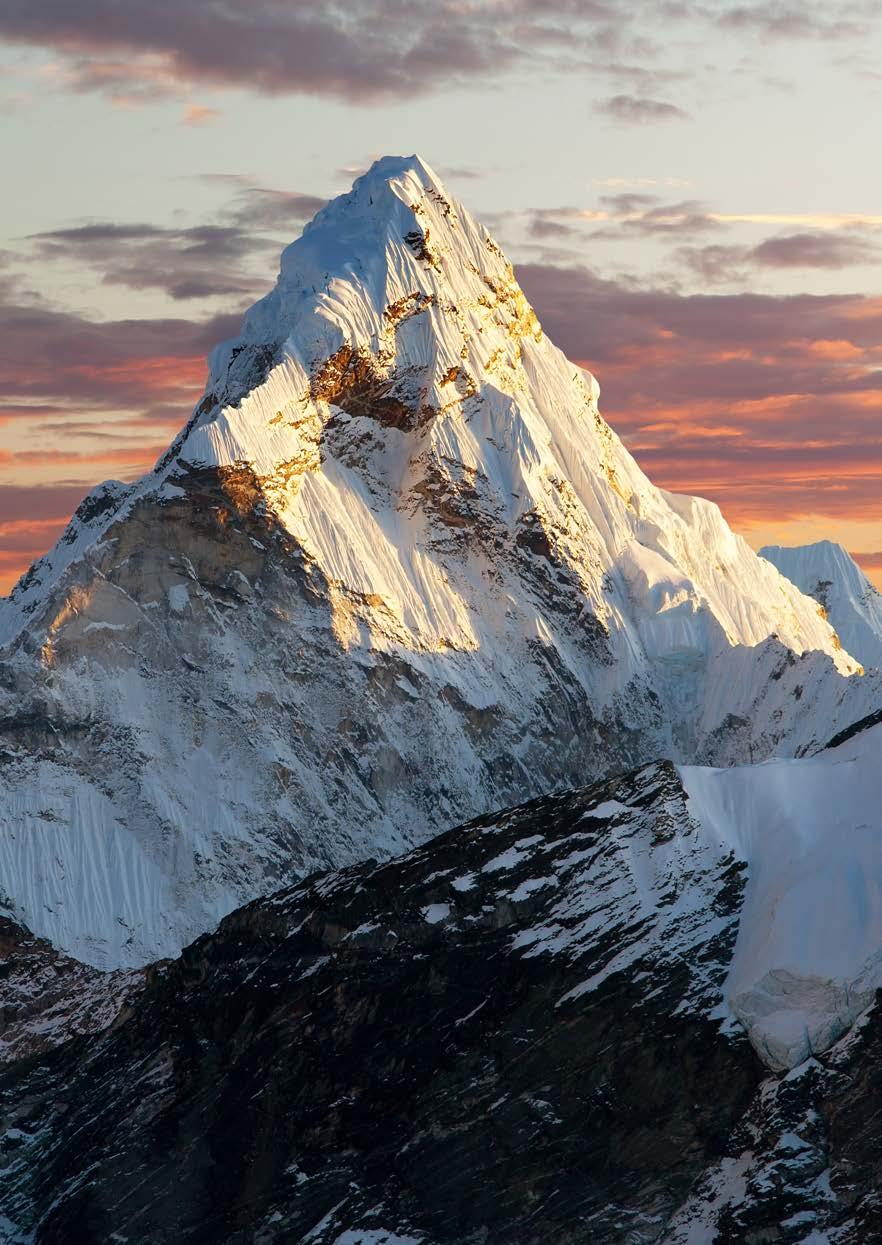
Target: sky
[{"x": 691, "y": 194}]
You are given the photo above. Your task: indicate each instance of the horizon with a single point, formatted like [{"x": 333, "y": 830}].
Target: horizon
[{"x": 705, "y": 241}]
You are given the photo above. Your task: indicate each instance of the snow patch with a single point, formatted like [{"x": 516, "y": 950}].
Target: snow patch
[
  {"x": 513, "y": 855},
  {"x": 178, "y": 598},
  {"x": 434, "y": 913}
]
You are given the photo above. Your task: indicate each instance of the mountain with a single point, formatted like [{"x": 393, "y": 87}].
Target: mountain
[
  {"x": 395, "y": 571},
  {"x": 533, "y": 1028},
  {"x": 826, "y": 572}
]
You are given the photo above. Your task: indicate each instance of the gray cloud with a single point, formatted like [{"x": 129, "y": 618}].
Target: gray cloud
[
  {"x": 371, "y": 50},
  {"x": 547, "y": 226},
  {"x": 376, "y": 50},
  {"x": 37, "y": 502},
  {"x": 832, "y": 250},
  {"x": 638, "y": 111},
  {"x": 199, "y": 261},
  {"x": 760, "y": 402},
  {"x": 602, "y": 320},
  {"x": 715, "y": 264},
  {"x": 628, "y": 203},
  {"x": 689, "y": 216},
  {"x": 51, "y": 355},
  {"x": 812, "y": 19},
  {"x": 257, "y": 207},
  {"x": 815, "y": 250},
  {"x": 624, "y": 216},
  {"x": 364, "y": 50}
]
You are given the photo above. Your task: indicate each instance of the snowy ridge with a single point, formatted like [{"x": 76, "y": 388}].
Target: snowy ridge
[
  {"x": 853, "y": 605},
  {"x": 394, "y": 572}
]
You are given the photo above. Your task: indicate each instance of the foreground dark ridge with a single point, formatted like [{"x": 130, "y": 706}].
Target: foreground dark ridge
[{"x": 508, "y": 1035}]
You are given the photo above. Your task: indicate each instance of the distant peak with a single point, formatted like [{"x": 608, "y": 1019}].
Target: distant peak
[
  {"x": 820, "y": 546},
  {"x": 820, "y": 551}
]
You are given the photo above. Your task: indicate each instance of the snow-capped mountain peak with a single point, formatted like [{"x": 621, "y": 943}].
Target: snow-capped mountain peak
[
  {"x": 828, "y": 573},
  {"x": 395, "y": 571},
  {"x": 398, "y": 343}
]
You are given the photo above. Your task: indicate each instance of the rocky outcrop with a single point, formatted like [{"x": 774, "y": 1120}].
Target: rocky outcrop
[
  {"x": 804, "y": 1164},
  {"x": 46, "y": 998}
]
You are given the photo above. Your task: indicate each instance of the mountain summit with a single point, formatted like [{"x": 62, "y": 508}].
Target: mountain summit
[
  {"x": 826, "y": 572},
  {"x": 395, "y": 571}
]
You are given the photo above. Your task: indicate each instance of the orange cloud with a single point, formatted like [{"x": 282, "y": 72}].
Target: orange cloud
[
  {"x": 198, "y": 114},
  {"x": 57, "y": 458},
  {"x": 153, "y": 376},
  {"x": 836, "y": 350}
]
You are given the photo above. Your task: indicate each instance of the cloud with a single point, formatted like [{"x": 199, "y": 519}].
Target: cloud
[
  {"x": 869, "y": 561},
  {"x": 24, "y": 539},
  {"x": 715, "y": 264},
  {"x": 815, "y": 250},
  {"x": 720, "y": 265},
  {"x": 546, "y": 225},
  {"x": 665, "y": 219},
  {"x": 374, "y": 51},
  {"x": 203, "y": 261},
  {"x": 825, "y": 240},
  {"x": 199, "y": 114},
  {"x": 132, "y": 456},
  {"x": 623, "y": 216},
  {"x": 636, "y": 111},
  {"x": 43, "y": 505},
  {"x": 806, "y": 220},
  {"x": 628, "y": 203},
  {"x": 259, "y": 207},
  {"x": 200, "y": 261},
  {"x": 368, "y": 50},
  {"x": 56, "y": 358},
  {"x": 807, "y": 20},
  {"x": 111, "y": 393}
]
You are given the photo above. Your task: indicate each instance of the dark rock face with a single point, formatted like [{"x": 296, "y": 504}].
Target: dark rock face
[
  {"x": 46, "y": 997},
  {"x": 506, "y": 1036},
  {"x": 805, "y": 1162},
  {"x": 495, "y": 1038}
]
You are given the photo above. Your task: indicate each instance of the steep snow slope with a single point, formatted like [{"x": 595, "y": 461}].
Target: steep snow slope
[
  {"x": 826, "y": 572},
  {"x": 395, "y": 571},
  {"x": 809, "y": 954}
]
